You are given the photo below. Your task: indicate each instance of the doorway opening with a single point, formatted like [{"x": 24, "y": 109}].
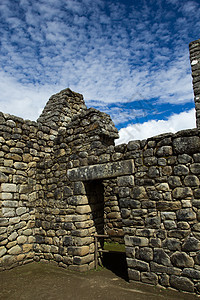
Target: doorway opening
[{"x": 109, "y": 255}]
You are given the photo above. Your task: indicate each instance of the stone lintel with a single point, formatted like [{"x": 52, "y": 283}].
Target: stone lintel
[{"x": 101, "y": 171}]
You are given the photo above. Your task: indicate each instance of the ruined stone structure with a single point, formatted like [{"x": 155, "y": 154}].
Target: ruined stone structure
[{"x": 62, "y": 181}]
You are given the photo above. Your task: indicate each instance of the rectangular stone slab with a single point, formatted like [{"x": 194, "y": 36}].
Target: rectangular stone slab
[{"x": 101, "y": 171}]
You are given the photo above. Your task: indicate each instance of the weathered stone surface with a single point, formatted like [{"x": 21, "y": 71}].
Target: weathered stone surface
[
  {"x": 172, "y": 244},
  {"x": 133, "y": 274},
  {"x": 136, "y": 241},
  {"x": 101, "y": 171},
  {"x": 145, "y": 254},
  {"x": 153, "y": 222},
  {"x": 138, "y": 192},
  {"x": 186, "y": 214},
  {"x": 164, "y": 151},
  {"x": 181, "y": 193},
  {"x": 15, "y": 250},
  {"x": 149, "y": 277},
  {"x": 186, "y": 145},
  {"x": 3, "y": 177},
  {"x": 191, "y": 273},
  {"x": 168, "y": 205},
  {"x": 181, "y": 170},
  {"x": 126, "y": 181},
  {"x": 181, "y": 259},
  {"x": 182, "y": 283},
  {"x": 191, "y": 244},
  {"x": 174, "y": 181},
  {"x": 191, "y": 180},
  {"x": 195, "y": 168},
  {"x": 137, "y": 264},
  {"x": 8, "y": 187},
  {"x": 161, "y": 257}
]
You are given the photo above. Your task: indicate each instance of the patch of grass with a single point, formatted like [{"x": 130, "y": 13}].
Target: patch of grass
[{"x": 113, "y": 246}]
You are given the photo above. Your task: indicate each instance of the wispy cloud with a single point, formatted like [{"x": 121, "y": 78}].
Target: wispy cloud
[{"x": 109, "y": 51}]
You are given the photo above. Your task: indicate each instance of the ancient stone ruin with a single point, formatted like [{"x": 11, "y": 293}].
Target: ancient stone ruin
[{"x": 62, "y": 181}]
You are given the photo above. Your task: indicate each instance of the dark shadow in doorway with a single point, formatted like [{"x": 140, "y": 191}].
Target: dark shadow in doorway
[{"x": 116, "y": 262}]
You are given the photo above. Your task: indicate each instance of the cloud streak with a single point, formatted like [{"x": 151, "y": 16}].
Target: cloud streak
[{"x": 109, "y": 51}]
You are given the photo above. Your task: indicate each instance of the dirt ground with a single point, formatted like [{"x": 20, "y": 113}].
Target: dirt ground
[{"x": 39, "y": 281}]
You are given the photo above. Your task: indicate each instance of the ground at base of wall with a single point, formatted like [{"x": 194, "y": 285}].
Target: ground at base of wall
[{"x": 47, "y": 281}]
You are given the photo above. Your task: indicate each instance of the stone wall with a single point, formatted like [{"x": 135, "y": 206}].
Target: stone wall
[
  {"x": 62, "y": 181},
  {"x": 194, "y": 48},
  {"x": 160, "y": 209}
]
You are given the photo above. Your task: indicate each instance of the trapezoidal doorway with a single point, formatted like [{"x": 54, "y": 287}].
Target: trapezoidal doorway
[{"x": 108, "y": 253}]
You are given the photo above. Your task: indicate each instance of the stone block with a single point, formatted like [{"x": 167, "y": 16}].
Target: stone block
[
  {"x": 137, "y": 264},
  {"x": 195, "y": 168},
  {"x": 182, "y": 283},
  {"x": 182, "y": 259},
  {"x": 164, "y": 280},
  {"x": 191, "y": 180},
  {"x": 174, "y": 181},
  {"x": 21, "y": 239},
  {"x": 77, "y": 200},
  {"x": 161, "y": 257},
  {"x": 20, "y": 165},
  {"x": 182, "y": 193},
  {"x": 8, "y": 212},
  {"x": 15, "y": 250},
  {"x": 78, "y": 251},
  {"x": 153, "y": 222},
  {"x": 83, "y": 259},
  {"x": 145, "y": 254},
  {"x": 164, "y": 151},
  {"x": 186, "y": 145},
  {"x": 191, "y": 244},
  {"x": 107, "y": 170},
  {"x": 3, "y": 251},
  {"x": 9, "y": 187},
  {"x": 21, "y": 210},
  {"x": 3, "y": 177},
  {"x": 149, "y": 277},
  {"x": 191, "y": 273},
  {"x": 126, "y": 181},
  {"x": 181, "y": 170},
  {"x": 133, "y": 274},
  {"x": 186, "y": 214},
  {"x": 136, "y": 241},
  {"x": 10, "y": 203},
  {"x": 172, "y": 244},
  {"x": 83, "y": 209},
  {"x": 13, "y": 236}
]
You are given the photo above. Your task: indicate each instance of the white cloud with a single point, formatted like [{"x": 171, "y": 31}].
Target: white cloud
[
  {"x": 106, "y": 51},
  {"x": 184, "y": 120}
]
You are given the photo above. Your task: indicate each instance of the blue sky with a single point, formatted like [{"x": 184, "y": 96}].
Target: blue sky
[{"x": 128, "y": 58}]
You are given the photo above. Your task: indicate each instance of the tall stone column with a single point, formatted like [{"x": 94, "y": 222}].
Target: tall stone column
[{"x": 194, "y": 48}]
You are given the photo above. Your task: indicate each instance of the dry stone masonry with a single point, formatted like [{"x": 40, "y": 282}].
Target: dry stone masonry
[{"x": 62, "y": 180}]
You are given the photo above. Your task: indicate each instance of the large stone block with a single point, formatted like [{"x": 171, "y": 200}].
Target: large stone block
[
  {"x": 191, "y": 273},
  {"x": 191, "y": 244},
  {"x": 137, "y": 264},
  {"x": 186, "y": 214},
  {"x": 149, "y": 277},
  {"x": 9, "y": 187},
  {"x": 182, "y": 192},
  {"x": 182, "y": 259},
  {"x": 108, "y": 170},
  {"x": 182, "y": 283},
  {"x": 161, "y": 257},
  {"x": 186, "y": 145}
]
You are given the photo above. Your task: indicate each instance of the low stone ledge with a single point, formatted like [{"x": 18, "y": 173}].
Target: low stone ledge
[{"x": 102, "y": 171}]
